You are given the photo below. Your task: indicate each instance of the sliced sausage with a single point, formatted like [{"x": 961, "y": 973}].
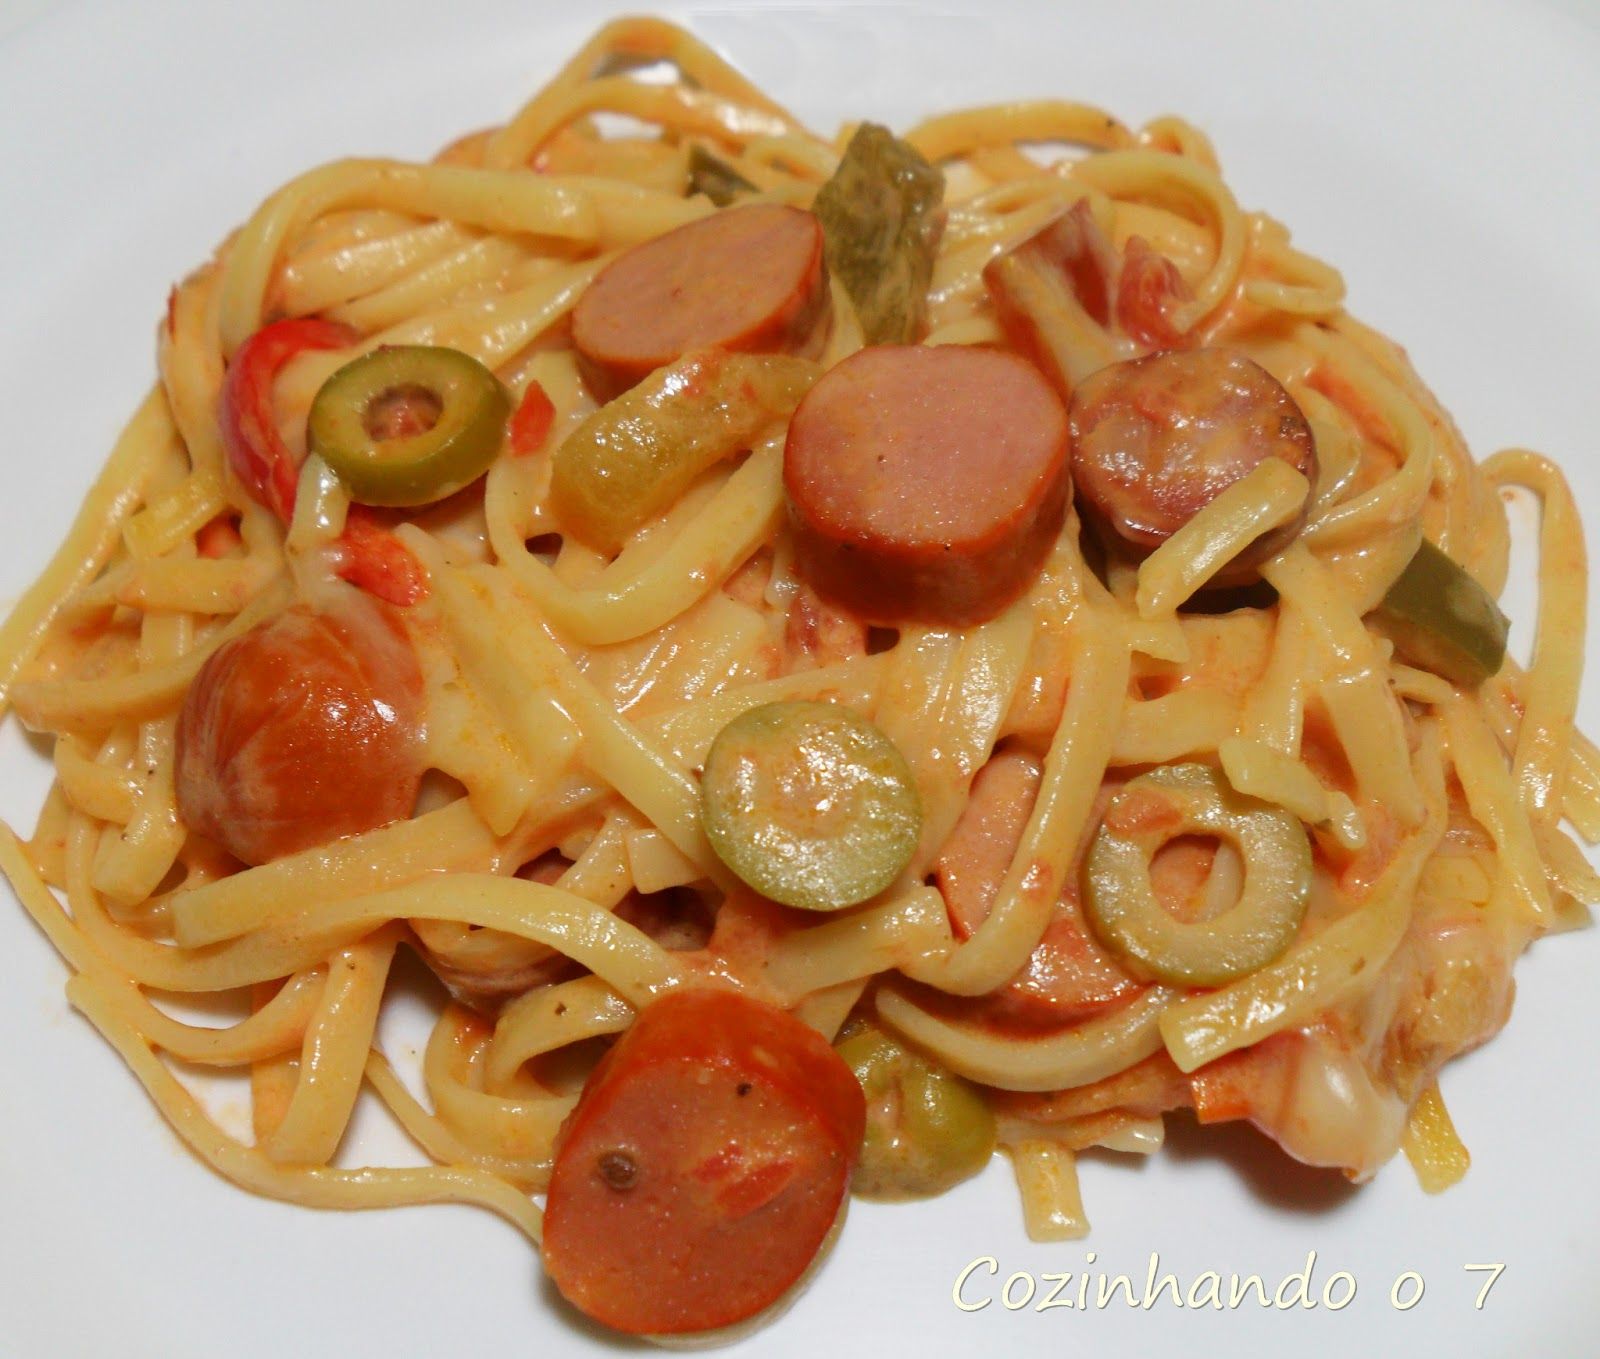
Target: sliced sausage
[
  {"x": 485, "y": 968},
  {"x": 302, "y": 730},
  {"x": 750, "y": 279},
  {"x": 1069, "y": 976},
  {"x": 703, "y": 1167},
  {"x": 1155, "y": 440},
  {"x": 926, "y": 483}
]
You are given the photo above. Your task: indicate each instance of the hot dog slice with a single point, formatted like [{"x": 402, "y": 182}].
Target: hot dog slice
[
  {"x": 703, "y": 1166},
  {"x": 302, "y": 730},
  {"x": 926, "y": 483},
  {"x": 749, "y": 279},
  {"x": 1068, "y": 976},
  {"x": 1155, "y": 440}
]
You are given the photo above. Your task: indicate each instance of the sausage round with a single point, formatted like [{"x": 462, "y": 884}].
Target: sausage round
[
  {"x": 302, "y": 730},
  {"x": 750, "y": 279},
  {"x": 1068, "y": 976},
  {"x": 703, "y": 1167},
  {"x": 1155, "y": 440},
  {"x": 926, "y": 484}
]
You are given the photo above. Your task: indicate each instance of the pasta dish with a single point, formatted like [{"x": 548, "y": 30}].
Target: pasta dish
[{"x": 842, "y": 656}]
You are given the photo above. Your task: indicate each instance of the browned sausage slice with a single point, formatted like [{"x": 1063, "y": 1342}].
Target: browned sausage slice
[
  {"x": 749, "y": 279},
  {"x": 703, "y": 1167},
  {"x": 1155, "y": 440},
  {"x": 926, "y": 483},
  {"x": 1068, "y": 977}
]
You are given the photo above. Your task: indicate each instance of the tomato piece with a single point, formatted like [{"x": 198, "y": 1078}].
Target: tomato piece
[
  {"x": 531, "y": 421},
  {"x": 1230, "y": 1088},
  {"x": 817, "y": 632},
  {"x": 1054, "y": 294},
  {"x": 219, "y": 538},
  {"x": 1075, "y": 245},
  {"x": 1148, "y": 292},
  {"x": 302, "y": 730},
  {"x": 703, "y": 1167}
]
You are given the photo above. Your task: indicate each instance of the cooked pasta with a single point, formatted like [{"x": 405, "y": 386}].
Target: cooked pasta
[{"x": 1238, "y": 810}]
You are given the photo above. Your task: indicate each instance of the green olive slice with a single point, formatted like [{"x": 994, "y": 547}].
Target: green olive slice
[
  {"x": 1120, "y": 900},
  {"x": 408, "y": 424},
  {"x": 927, "y": 1128},
  {"x": 810, "y": 804}
]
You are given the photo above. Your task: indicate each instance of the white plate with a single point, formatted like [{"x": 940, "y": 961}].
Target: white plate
[{"x": 1442, "y": 154}]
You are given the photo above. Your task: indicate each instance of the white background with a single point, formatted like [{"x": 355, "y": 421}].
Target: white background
[{"x": 1442, "y": 154}]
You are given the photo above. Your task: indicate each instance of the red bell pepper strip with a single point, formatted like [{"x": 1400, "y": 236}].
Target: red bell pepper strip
[
  {"x": 256, "y": 451},
  {"x": 371, "y": 557}
]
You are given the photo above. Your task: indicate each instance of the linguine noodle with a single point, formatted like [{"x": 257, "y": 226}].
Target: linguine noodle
[{"x": 572, "y": 698}]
